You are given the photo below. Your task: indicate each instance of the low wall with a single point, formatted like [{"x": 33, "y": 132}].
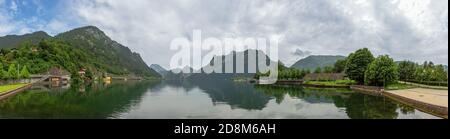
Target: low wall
[
  {"x": 326, "y": 86},
  {"x": 369, "y": 90},
  {"x": 289, "y": 82}
]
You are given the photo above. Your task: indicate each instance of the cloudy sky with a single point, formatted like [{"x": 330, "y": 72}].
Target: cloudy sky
[{"x": 405, "y": 29}]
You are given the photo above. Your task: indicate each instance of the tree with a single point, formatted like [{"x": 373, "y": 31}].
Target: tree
[
  {"x": 2, "y": 72},
  {"x": 307, "y": 71},
  {"x": 381, "y": 72},
  {"x": 430, "y": 72},
  {"x": 357, "y": 64},
  {"x": 89, "y": 74},
  {"x": 24, "y": 72},
  {"x": 12, "y": 72},
  {"x": 406, "y": 70},
  {"x": 438, "y": 73},
  {"x": 328, "y": 69},
  {"x": 318, "y": 70},
  {"x": 339, "y": 66}
]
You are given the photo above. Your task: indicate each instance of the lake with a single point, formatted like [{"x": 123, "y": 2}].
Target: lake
[{"x": 200, "y": 100}]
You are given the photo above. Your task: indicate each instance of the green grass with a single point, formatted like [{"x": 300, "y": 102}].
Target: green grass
[
  {"x": 331, "y": 83},
  {"x": 6, "y": 88},
  {"x": 399, "y": 86}
]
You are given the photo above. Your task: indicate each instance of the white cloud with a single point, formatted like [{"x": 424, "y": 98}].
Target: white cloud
[
  {"x": 405, "y": 29},
  {"x": 5, "y": 25},
  {"x": 13, "y": 7}
]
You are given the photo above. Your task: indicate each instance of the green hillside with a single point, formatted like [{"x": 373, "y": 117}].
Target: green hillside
[
  {"x": 106, "y": 53},
  {"x": 84, "y": 48}
]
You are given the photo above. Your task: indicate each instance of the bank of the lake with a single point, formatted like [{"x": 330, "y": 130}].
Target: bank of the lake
[
  {"x": 12, "y": 89},
  {"x": 330, "y": 84},
  {"x": 6, "y": 88}
]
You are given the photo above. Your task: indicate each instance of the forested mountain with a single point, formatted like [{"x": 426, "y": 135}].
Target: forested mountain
[
  {"x": 82, "y": 48},
  {"x": 105, "y": 52}
]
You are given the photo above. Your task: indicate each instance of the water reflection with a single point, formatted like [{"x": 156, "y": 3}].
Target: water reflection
[
  {"x": 91, "y": 101},
  {"x": 200, "y": 99}
]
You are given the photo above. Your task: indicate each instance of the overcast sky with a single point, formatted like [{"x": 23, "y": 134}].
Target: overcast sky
[{"x": 405, "y": 29}]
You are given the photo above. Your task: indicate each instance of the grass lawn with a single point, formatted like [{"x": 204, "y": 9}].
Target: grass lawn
[
  {"x": 331, "y": 83},
  {"x": 6, "y": 88},
  {"x": 399, "y": 86}
]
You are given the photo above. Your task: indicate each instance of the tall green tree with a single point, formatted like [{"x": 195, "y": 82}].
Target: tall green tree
[
  {"x": 24, "y": 73},
  {"x": 328, "y": 69},
  {"x": 2, "y": 71},
  {"x": 357, "y": 64},
  {"x": 381, "y": 72},
  {"x": 12, "y": 72},
  {"x": 406, "y": 70},
  {"x": 318, "y": 70},
  {"x": 439, "y": 73},
  {"x": 339, "y": 66}
]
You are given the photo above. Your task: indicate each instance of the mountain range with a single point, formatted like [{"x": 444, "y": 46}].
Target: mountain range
[{"x": 99, "y": 50}]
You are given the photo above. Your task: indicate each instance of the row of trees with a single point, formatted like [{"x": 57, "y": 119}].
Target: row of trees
[
  {"x": 292, "y": 73},
  {"x": 327, "y": 69},
  {"x": 296, "y": 74},
  {"x": 410, "y": 71},
  {"x": 285, "y": 73},
  {"x": 13, "y": 73},
  {"x": 364, "y": 68}
]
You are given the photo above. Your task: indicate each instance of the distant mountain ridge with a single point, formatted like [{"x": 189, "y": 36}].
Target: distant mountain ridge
[
  {"x": 228, "y": 76},
  {"x": 11, "y": 41},
  {"x": 161, "y": 71},
  {"x": 315, "y": 61}
]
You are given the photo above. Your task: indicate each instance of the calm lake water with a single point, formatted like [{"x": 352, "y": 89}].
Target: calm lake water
[{"x": 208, "y": 99}]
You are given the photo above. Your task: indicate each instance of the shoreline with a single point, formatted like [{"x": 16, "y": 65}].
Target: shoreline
[
  {"x": 415, "y": 99},
  {"x": 15, "y": 91}
]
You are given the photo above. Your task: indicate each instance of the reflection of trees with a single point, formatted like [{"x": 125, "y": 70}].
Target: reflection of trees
[
  {"x": 221, "y": 89},
  {"x": 405, "y": 109},
  {"x": 97, "y": 101},
  {"x": 358, "y": 106},
  {"x": 311, "y": 95}
]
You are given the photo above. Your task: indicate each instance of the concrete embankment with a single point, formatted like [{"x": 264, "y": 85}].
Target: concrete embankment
[
  {"x": 369, "y": 90},
  {"x": 429, "y": 100},
  {"x": 433, "y": 101}
]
